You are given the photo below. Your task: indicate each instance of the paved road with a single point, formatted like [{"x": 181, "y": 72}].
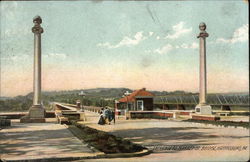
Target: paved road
[
  {"x": 170, "y": 140},
  {"x": 40, "y": 140}
]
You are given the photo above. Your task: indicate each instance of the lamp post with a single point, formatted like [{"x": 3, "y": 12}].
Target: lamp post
[{"x": 83, "y": 95}]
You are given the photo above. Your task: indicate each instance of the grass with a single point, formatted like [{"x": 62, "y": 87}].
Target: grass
[{"x": 103, "y": 141}]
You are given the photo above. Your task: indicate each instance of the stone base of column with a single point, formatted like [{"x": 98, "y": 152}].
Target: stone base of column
[
  {"x": 37, "y": 111},
  {"x": 26, "y": 119},
  {"x": 204, "y": 112},
  {"x": 205, "y": 117},
  {"x": 36, "y": 115},
  {"x": 203, "y": 109}
]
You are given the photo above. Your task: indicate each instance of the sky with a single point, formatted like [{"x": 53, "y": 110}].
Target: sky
[{"x": 133, "y": 44}]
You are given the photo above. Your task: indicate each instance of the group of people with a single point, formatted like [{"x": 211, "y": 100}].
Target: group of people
[{"x": 106, "y": 116}]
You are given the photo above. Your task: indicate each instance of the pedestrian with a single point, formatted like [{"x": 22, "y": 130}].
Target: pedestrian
[
  {"x": 113, "y": 116},
  {"x": 101, "y": 111},
  {"x": 102, "y": 118},
  {"x": 106, "y": 115}
]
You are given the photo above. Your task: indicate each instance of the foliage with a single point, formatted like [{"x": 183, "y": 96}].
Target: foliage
[
  {"x": 19, "y": 103},
  {"x": 103, "y": 141},
  {"x": 94, "y": 97}
]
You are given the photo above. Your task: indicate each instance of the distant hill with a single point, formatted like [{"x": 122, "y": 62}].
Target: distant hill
[
  {"x": 96, "y": 92},
  {"x": 108, "y": 92},
  {"x": 95, "y": 97}
]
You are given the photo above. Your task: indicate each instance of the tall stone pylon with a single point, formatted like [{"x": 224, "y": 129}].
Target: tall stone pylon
[
  {"x": 203, "y": 108},
  {"x": 36, "y": 112}
]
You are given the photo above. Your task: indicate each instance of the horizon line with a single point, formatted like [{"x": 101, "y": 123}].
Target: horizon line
[{"x": 81, "y": 89}]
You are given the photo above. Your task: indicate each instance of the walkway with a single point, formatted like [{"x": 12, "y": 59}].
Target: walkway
[{"x": 40, "y": 141}]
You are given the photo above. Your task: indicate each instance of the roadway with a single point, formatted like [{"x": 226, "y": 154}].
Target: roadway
[{"x": 171, "y": 140}]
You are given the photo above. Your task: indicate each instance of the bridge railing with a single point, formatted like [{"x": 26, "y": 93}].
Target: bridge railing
[
  {"x": 212, "y": 99},
  {"x": 93, "y": 109}
]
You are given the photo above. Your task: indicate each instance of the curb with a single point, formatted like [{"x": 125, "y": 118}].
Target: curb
[
  {"x": 125, "y": 155},
  {"x": 218, "y": 125}
]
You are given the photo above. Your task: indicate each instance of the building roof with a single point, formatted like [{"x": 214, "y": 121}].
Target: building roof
[{"x": 137, "y": 93}]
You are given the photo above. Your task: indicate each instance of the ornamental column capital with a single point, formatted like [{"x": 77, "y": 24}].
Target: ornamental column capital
[
  {"x": 37, "y": 29},
  {"x": 203, "y": 33}
]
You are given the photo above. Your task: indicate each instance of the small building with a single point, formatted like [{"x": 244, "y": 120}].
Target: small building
[{"x": 139, "y": 100}]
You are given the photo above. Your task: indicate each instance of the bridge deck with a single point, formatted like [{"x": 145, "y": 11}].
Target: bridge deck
[
  {"x": 41, "y": 141},
  {"x": 159, "y": 135}
]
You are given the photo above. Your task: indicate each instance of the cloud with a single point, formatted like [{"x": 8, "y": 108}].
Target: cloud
[
  {"x": 168, "y": 47},
  {"x": 239, "y": 35},
  {"x": 150, "y": 33},
  {"x": 56, "y": 55},
  {"x": 15, "y": 57},
  {"x": 194, "y": 45},
  {"x": 126, "y": 41},
  {"x": 106, "y": 44},
  {"x": 14, "y": 32},
  {"x": 165, "y": 49},
  {"x": 178, "y": 31},
  {"x": 184, "y": 45}
]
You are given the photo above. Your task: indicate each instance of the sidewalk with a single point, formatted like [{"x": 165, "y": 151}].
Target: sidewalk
[{"x": 24, "y": 141}]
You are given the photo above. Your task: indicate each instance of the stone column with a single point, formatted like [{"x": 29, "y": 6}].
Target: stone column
[
  {"x": 36, "y": 112},
  {"x": 37, "y": 30},
  {"x": 202, "y": 107}
]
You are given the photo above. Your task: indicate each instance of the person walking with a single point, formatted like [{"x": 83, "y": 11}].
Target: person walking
[
  {"x": 102, "y": 118},
  {"x": 106, "y": 114}
]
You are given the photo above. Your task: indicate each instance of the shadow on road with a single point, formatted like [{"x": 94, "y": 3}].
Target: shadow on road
[
  {"x": 18, "y": 140},
  {"x": 153, "y": 138}
]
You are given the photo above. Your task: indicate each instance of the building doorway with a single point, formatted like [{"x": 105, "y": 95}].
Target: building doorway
[{"x": 140, "y": 105}]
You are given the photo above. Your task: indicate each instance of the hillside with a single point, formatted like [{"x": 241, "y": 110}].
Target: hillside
[{"x": 95, "y": 97}]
